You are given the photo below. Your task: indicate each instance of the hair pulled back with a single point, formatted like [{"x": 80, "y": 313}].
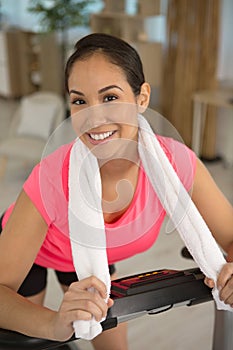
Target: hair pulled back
[{"x": 116, "y": 50}]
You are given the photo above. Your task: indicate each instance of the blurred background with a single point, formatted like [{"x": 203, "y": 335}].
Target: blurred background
[
  {"x": 187, "y": 50},
  {"x": 185, "y": 45}
]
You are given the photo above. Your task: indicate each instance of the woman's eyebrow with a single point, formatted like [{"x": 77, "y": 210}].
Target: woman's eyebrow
[
  {"x": 76, "y": 92},
  {"x": 104, "y": 89},
  {"x": 108, "y": 88}
]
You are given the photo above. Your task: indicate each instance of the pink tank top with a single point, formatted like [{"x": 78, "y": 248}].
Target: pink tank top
[{"x": 134, "y": 232}]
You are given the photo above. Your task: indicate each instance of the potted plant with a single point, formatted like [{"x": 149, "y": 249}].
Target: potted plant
[{"x": 60, "y": 15}]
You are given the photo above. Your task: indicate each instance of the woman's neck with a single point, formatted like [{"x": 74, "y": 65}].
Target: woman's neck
[
  {"x": 119, "y": 182},
  {"x": 121, "y": 164},
  {"x": 117, "y": 168}
]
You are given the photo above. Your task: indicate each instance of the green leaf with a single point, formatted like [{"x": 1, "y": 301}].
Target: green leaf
[{"x": 60, "y": 14}]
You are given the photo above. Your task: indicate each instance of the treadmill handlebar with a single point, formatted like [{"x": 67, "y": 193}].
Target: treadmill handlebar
[{"x": 145, "y": 293}]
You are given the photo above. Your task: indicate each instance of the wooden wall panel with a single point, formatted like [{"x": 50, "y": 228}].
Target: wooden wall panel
[{"x": 190, "y": 63}]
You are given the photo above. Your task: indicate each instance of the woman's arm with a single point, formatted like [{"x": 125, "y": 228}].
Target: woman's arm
[
  {"x": 213, "y": 206},
  {"x": 20, "y": 242},
  {"x": 218, "y": 215}
]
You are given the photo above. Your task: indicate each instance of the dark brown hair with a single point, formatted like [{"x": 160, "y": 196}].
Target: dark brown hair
[{"x": 116, "y": 50}]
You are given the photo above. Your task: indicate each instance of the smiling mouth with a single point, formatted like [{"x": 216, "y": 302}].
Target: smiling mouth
[{"x": 101, "y": 136}]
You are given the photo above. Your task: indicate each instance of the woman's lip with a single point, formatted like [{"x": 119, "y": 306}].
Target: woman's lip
[{"x": 97, "y": 142}]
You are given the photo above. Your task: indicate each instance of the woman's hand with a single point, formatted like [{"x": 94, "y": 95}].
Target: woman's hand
[
  {"x": 224, "y": 284},
  {"x": 80, "y": 304}
]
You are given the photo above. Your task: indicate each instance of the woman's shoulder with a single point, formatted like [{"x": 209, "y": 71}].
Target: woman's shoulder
[
  {"x": 169, "y": 143},
  {"x": 49, "y": 171},
  {"x": 182, "y": 158},
  {"x": 44, "y": 185},
  {"x": 59, "y": 153},
  {"x": 52, "y": 164},
  {"x": 175, "y": 149}
]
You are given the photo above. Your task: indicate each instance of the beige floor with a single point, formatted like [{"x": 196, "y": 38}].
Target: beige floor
[{"x": 181, "y": 328}]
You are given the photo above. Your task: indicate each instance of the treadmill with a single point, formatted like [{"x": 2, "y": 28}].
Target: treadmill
[{"x": 149, "y": 292}]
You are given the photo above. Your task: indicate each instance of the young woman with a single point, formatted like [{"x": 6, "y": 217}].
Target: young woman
[{"x": 103, "y": 71}]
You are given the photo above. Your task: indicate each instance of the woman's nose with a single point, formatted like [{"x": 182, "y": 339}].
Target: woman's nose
[
  {"x": 89, "y": 118},
  {"x": 97, "y": 115}
]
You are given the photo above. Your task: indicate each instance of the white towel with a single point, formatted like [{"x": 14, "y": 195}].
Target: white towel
[
  {"x": 86, "y": 221},
  {"x": 180, "y": 208},
  {"x": 86, "y": 225}
]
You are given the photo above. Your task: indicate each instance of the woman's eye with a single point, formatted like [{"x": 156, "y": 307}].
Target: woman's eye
[
  {"x": 110, "y": 98},
  {"x": 78, "y": 102}
]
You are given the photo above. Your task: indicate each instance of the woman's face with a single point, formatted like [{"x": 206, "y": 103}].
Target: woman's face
[{"x": 102, "y": 103}]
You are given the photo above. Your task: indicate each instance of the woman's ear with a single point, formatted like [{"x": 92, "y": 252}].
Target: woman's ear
[{"x": 143, "y": 98}]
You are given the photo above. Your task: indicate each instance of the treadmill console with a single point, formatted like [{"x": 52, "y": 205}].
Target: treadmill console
[{"x": 158, "y": 289}]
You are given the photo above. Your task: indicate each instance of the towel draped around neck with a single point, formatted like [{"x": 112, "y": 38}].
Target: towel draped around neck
[{"x": 86, "y": 222}]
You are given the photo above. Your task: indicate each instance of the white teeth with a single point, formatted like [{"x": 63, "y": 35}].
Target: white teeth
[{"x": 103, "y": 136}]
